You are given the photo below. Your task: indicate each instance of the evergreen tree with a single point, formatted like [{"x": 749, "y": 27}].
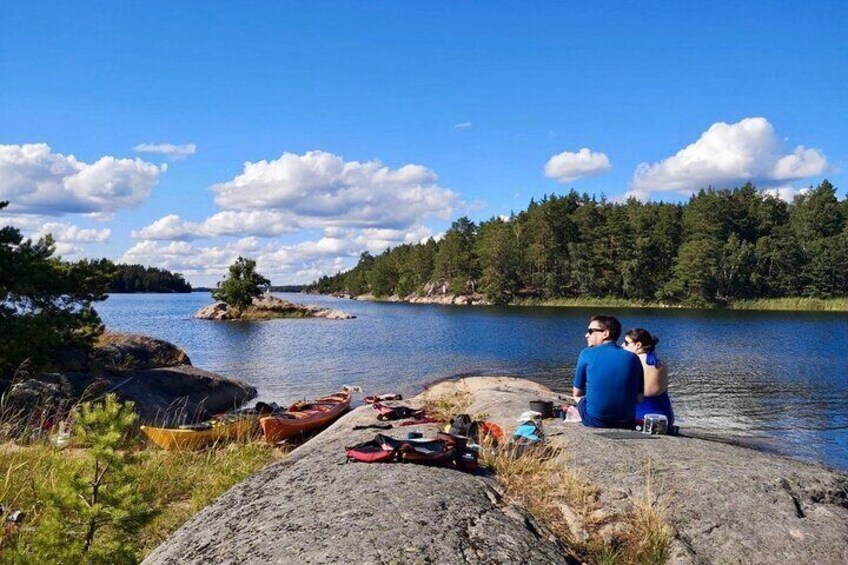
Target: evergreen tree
[
  {"x": 455, "y": 260},
  {"x": 499, "y": 260},
  {"x": 241, "y": 285},
  {"x": 45, "y": 302}
]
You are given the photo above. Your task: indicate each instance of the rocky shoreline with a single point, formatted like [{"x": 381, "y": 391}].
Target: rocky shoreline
[
  {"x": 725, "y": 503},
  {"x": 268, "y": 307}
]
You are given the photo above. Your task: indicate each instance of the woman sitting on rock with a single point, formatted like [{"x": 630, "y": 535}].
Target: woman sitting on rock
[{"x": 656, "y": 400}]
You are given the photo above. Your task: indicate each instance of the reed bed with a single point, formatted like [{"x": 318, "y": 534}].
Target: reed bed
[
  {"x": 594, "y": 302},
  {"x": 793, "y": 304}
]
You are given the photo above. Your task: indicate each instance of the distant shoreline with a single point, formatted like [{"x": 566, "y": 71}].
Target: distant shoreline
[{"x": 798, "y": 304}]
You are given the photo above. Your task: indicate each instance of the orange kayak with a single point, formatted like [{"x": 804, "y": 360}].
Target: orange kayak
[{"x": 303, "y": 417}]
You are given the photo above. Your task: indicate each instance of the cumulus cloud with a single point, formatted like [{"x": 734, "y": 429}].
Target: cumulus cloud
[
  {"x": 37, "y": 181},
  {"x": 787, "y": 193},
  {"x": 169, "y": 150},
  {"x": 302, "y": 262},
  {"x": 228, "y": 223},
  {"x": 68, "y": 233},
  {"x": 730, "y": 154},
  {"x": 568, "y": 166},
  {"x": 320, "y": 185},
  {"x": 462, "y": 125}
]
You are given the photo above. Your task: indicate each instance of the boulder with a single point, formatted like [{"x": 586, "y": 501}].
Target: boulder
[
  {"x": 33, "y": 400},
  {"x": 182, "y": 394},
  {"x": 217, "y": 311},
  {"x": 133, "y": 351},
  {"x": 155, "y": 374}
]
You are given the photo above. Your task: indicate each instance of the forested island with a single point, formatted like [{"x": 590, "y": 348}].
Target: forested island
[
  {"x": 720, "y": 247},
  {"x": 138, "y": 278}
]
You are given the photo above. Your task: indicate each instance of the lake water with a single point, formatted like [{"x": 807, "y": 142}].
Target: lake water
[{"x": 773, "y": 375}]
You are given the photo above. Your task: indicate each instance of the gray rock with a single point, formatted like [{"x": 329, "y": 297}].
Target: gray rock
[
  {"x": 726, "y": 503},
  {"x": 177, "y": 395},
  {"x": 313, "y": 507},
  {"x": 217, "y": 311},
  {"x": 31, "y": 401},
  {"x": 153, "y": 373},
  {"x": 268, "y": 306},
  {"x": 133, "y": 351}
]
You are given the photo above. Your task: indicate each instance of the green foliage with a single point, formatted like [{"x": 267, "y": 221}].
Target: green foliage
[
  {"x": 94, "y": 509},
  {"x": 138, "y": 278},
  {"x": 241, "y": 285},
  {"x": 723, "y": 246},
  {"x": 45, "y": 302},
  {"x": 455, "y": 259}
]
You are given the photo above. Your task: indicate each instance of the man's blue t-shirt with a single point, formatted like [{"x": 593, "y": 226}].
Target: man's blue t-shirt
[{"x": 612, "y": 378}]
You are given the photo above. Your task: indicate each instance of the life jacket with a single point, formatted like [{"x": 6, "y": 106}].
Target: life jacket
[
  {"x": 395, "y": 412},
  {"x": 385, "y": 449},
  {"x": 382, "y": 398}
]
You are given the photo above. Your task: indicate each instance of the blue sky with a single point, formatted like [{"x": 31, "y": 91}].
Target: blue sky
[{"x": 182, "y": 135}]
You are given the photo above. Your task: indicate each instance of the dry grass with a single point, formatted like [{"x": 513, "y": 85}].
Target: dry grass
[
  {"x": 567, "y": 504},
  {"x": 187, "y": 481},
  {"x": 446, "y": 405}
]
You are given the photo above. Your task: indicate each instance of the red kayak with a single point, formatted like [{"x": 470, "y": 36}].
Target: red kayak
[{"x": 303, "y": 417}]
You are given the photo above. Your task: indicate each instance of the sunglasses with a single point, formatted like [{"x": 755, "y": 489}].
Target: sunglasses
[{"x": 590, "y": 331}]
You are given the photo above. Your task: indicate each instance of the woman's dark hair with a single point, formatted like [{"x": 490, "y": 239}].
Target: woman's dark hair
[{"x": 643, "y": 337}]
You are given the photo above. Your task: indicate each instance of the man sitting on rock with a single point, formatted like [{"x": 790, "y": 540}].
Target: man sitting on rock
[{"x": 608, "y": 380}]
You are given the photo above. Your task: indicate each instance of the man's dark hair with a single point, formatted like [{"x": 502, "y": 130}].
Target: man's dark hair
[{"x": 609, "y": 323}]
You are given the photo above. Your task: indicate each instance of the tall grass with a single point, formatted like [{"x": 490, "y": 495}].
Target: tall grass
[
  {"x": 180, "y": 483},
  {"x": 568, "y": 505}
]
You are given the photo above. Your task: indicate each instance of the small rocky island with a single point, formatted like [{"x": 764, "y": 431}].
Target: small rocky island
[{"x": 267, "y": 307}]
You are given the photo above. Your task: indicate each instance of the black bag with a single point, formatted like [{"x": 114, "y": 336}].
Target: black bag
[{"x": 461, "y": 425}]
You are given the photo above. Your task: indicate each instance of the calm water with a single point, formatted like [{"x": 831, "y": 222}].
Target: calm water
[{"x": 781, "y": 376}]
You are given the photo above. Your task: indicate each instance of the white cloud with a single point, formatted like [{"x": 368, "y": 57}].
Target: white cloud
[
  {"x": 228, "y": 223},
  {"x": 69, "y": 240},
  {"x": 68, "y": 233},
  {"x": 462, "y": 125},
  {"x": 302, "y": 262},
  {"x": 37, "y": 181},
  {"x": 567, "y": 166},
  {"x": 169, "y": 150},
  {"x": 787, "y": 193},
  {"x": 640, "y": 195},
  {"x": 330, "y": 191},
  {"x": 727, "y": 155}
]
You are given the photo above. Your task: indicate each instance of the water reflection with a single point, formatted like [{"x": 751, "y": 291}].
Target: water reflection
[{"x": 781, "y": 374}]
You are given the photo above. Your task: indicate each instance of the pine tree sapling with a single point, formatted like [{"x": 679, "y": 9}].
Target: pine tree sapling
[{"x": 96, "y": 508}]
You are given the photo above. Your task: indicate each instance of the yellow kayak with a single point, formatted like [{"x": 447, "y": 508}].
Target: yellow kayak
[{"x": 220, "y": 429}]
